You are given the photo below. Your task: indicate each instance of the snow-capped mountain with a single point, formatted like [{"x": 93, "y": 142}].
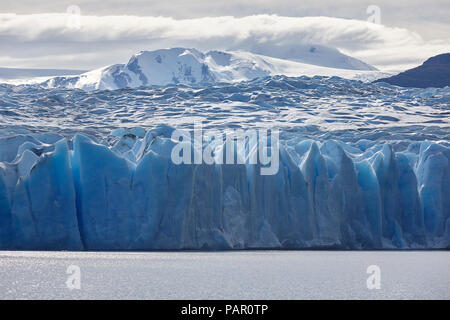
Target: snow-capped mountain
[
  {"x": 190, "y": 66},
  {"x": 318, "y": 55}
]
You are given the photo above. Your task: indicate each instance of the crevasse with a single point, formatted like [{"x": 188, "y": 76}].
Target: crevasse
[{"x": 77, "y": 194}]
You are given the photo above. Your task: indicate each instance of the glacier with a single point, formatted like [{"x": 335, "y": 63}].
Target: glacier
[{"x": 362, "y": 166}]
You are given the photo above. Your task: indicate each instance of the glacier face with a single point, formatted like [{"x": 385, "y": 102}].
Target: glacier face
[
  {"x": 362, "y": 166},
  {"x": 85, "y": 195}
]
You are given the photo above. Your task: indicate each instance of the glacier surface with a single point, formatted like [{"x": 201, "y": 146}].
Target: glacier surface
[{"x": 362, "y": 166}]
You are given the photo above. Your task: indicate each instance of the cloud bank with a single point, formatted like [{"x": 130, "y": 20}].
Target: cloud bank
[{"x": 85, "y": 42}]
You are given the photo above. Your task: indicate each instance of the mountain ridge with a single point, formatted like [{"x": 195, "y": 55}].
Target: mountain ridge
[
  {"x": 193, "y": 67},
  {"x": 434, "y": 72}
]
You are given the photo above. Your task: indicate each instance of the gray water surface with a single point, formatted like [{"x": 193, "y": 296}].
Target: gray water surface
[{"x": 225, "y": 275}]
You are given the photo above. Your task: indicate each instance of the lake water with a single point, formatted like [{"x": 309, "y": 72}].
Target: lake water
[{"x": 225, "y": 275}]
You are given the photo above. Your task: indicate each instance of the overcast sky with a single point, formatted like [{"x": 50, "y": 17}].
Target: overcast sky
[{"x": 410, "y": 32}]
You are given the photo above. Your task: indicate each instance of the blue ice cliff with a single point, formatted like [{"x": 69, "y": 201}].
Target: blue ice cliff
[{"x": 79, "y": 194}]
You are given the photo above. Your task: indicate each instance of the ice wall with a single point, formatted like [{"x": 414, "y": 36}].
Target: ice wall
[{"x": 78, "y": 194}]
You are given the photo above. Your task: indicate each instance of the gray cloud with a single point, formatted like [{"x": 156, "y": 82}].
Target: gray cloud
[
  {"x": 47, "y": 40},
  {"x": 429, "y": 19}
]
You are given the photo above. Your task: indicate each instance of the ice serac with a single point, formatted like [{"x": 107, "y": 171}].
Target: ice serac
[
  {"x": 102, "y": 182},
  {"x": 434, "y": 181},
  {"x": 5, "y": 211},
  {"x": 79, "y": 194},
  {"x": 43, "y": 210}
]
